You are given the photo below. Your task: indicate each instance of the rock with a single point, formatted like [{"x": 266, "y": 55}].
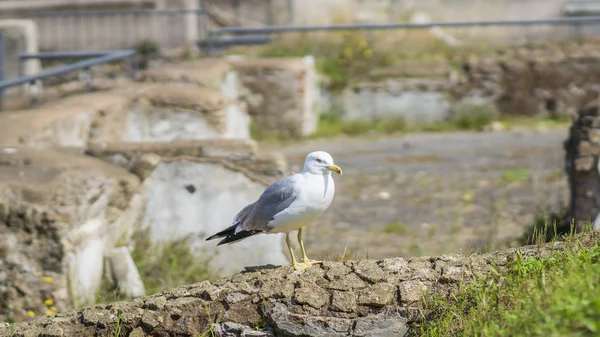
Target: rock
[
  {"x": 582, "y": 152},
  {"x": 377, "y": 295},
  {"x": 346, "y": 282},
  {"x": 271, "y": 307},
  {"x": 286, "y": 323},
  {"x": 137, "y": 332},
  {"x": 369, "y": 270},
  {"x": 238, "y": 154},
  {"x": 165, "y": 112},
  {"x": 312, "y": 295},
  {"x": 280, "y": 94},
  {"x": 144, "y": 166},
  {"x": 276, "y": 289},
  {"x": 69, "y": 210},
  {"x": 344, "y": 301},
  {"x": 382, "y": 325},
  {"x": 203, "y": 72},
  {"x": 68, "y": 123},
  {"x": 411, "y": 291},
  {"x": 229, "y": 329}
]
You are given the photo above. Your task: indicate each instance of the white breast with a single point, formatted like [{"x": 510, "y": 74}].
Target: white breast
[{"x": 314, "y": 197}]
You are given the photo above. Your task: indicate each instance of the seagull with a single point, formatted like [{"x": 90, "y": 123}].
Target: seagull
[{"x": 286, "y": 205}]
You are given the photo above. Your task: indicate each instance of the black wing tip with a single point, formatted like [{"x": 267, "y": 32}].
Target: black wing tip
[
  {"x": 233, "y": 238},
  {"x": 226, "y": 232}
]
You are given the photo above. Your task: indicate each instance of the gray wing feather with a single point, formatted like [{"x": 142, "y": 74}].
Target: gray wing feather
[{"x": 274, "y": 199}]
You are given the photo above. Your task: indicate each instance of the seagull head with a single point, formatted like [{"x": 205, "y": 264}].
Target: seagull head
[{"x": 320, "y": 162}]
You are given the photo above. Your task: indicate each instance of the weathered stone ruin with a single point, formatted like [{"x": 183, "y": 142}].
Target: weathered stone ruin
[
  {"x": 554, "y": 80},
  {"x": 168, "y": 156},
  {"x": 583, "y": 167},
  {"x": 351, "y": 298},
  {"x": 281, "y": 95}
]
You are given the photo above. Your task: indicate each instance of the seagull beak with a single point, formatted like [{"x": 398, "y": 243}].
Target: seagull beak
[{"x": 335, "y": 168}]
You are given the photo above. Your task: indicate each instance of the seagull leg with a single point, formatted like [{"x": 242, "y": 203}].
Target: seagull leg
[
  {"x": 295, "y": 264},
  {"x": 305, "y": 258}
]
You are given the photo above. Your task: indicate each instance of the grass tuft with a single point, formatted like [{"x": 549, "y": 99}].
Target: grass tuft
[
  {"x": 473, "y": 117},
  {"x": 168, "y": 265},
  {"x": 552, "y": 296},
  {"x": 510, "y": 175},
  {"x": 548, "y": 226},
  {"x": 161, "y": 267},
  {"x": 395, "y": 228}
]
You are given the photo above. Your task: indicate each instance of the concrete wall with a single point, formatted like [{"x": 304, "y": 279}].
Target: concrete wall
[
  {"x": 108, "y": 31},
  {"x": 20, "y": 36},
  {"x": 310, "y": 12},
  {"x": 180, "y": 30},
  {"x": 331, "y": 11}
]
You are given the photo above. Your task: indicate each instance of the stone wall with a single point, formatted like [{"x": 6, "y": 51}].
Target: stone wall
[
  {"x": 171, "y": 32},
  {"x": 58, "y": 214},
  {"x": 351, "y": 298},
  {"x": 583, "y": 167},
  {"x": 553, "y": 80},
  {"x": 77, "y": 186},
  {"x": 281, "y": 95},
  {"x": 546, "y": 80},
  {"x": 327, "y": 12}
]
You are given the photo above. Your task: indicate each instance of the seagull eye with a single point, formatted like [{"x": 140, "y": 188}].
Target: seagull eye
[{"x": 319, "y": 160}]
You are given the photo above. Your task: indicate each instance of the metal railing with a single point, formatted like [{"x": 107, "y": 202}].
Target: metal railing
[
  {"x": 115, "y": 29},
  {"x": 215, "y": 39},
  {"x": 382, "y": 26},
  {"x": 97, "y": 58}
]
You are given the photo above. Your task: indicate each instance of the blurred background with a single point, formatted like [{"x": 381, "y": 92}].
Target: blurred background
[{"x": 131, "y": 130}]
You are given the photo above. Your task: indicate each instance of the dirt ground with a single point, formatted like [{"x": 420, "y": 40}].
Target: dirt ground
[{"x": 428, "y": 194}]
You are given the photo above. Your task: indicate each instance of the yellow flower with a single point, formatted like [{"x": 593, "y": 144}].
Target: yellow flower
[
  {"x": 53, "y": 309},
  {"x": 467, "y": 197},
  {"x": 49, "y": 312},
  {"x": 31, "y": 314},
  {"x": 368, "y": 53},
  {"x": 47, "y": 279},
  {"x": 362, "y": 44},
  {"x": 48, "y": 303}
]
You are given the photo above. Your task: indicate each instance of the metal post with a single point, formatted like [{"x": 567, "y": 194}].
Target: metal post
[
  {"x": 290, "y": 5},
  {"x": 236, "y": 12},
  {"x": 2, "y": 55},
  {"x": 201, "y": 17},
  {"x": 578, "y": 32},
  {"x": 270, "y": 12}
]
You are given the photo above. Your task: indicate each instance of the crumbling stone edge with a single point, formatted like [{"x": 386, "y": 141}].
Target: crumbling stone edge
[{"x": 357, "y": 298}]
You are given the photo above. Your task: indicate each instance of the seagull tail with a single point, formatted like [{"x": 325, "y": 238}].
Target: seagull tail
[
  {"x": 239, "y": 236},
  {"x": 226, "y": 232}
]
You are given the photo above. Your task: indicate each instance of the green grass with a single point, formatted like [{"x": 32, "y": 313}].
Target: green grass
[
  {"x": 520, "y": 174},
  {"x": 161, "y": 267},
  {"x": 535, "y": 122},
  {"x": 332, "y": 124},
  {"x": 473, "y": 117},
  {"x": 164, "y": 267},
  {"x": 554, "y": 296},
  {"x": 210, "y": 332},
  {"x": 397, "y": 227}
]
